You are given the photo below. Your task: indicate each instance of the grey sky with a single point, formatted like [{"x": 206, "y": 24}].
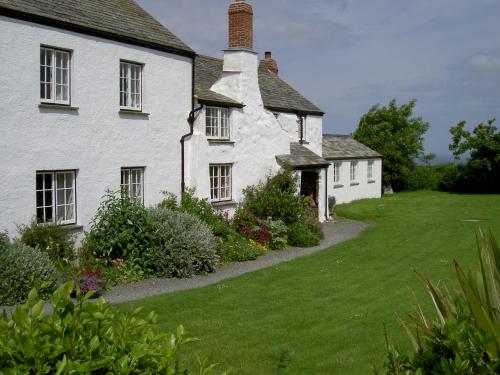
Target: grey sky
[{"x": 346, "y": 55}]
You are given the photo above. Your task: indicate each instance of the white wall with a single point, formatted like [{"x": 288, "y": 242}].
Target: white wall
[
  {"x": 257, "y": 136},
  {"x": 346, "y": 191},
  {"x": 95, "y": 140}
]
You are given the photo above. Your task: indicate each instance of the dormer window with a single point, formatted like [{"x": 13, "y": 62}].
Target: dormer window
[{"x": 217, "y": 123}]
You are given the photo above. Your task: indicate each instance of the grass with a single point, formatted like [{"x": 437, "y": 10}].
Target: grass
[{"x": 327, "y": 310}]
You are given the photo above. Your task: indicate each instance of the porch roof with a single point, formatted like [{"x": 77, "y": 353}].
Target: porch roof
[{"x": 301, "y": 157}]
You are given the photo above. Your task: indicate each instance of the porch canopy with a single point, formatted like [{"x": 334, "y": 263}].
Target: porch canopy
[{"x": 301, "y": 157}]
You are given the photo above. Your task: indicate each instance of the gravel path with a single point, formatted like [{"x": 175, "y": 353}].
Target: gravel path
[
  {"x": 340, "y": 230},
  {"x": 335, "y": 232}
]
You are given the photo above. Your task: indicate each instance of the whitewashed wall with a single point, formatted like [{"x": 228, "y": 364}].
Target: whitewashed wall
[
  {"x": 344, "y": 191},
  {"x": 95, "y": 140},
  {"x": 257, "y": 136}
]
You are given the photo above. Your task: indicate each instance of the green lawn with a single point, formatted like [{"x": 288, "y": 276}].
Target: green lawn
[{"x": 328, "y": 309}]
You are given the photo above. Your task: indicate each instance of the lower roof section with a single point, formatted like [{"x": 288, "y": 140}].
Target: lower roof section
[{"x": 301, "y": 157}]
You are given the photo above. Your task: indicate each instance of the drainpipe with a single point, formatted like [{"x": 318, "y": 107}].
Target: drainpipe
[
  {"x": 191, "y": 119},
  {"x": 300, "y": 121},
  {"x": 326, "y": 194}
]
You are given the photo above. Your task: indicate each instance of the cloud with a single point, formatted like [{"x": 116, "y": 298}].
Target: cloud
[{"x": 485, "y": 63}]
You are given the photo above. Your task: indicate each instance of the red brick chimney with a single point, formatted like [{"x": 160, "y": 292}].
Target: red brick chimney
[
  {"x": 269, "y": 63},
  {"x": 240, "y": 25}
]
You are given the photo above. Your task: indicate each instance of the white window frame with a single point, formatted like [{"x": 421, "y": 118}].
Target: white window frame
[
  {"x": 218, "y": 123},
  {"x": 221, "y": 183},
  {"x": 353, "y": 170},
  {"x": 337, "y": 172},
  {"x": 55, "y": 75},
  {"x": 54, "y": 191},
  {"x": 131, "y": 83},
  {"x": 369, "y": 172},
  {"x": 129, "y": 182}
]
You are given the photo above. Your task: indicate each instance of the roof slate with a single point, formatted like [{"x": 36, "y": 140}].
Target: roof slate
[
  {"x": 207, "y": 72},
  {"x": 277, "y": 95},
  {"x": 345, "y": 147},
  {"x": 301, "y": 156},
  {"x": 121, "y": 20}
]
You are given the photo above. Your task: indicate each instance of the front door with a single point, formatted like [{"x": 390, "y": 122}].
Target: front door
[{"x": 309, "y": 184}]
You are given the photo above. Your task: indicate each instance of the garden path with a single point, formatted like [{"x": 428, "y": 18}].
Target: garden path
[{"x": 337, "y": 231}]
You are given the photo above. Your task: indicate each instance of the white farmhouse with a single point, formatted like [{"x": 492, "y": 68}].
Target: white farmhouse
[
  {"x": 94, "y": 94},
  {"x": 355, "y": 169},
  {"x": 98, "y": 95}
]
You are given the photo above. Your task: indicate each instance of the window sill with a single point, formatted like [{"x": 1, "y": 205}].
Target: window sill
[
  {"x": 338, "y": 186},
  {"x": 132, "y": 112},
  {"x": 371, "y": 181},
  {"x": 58, "y": 106},
  {"x": 220, "y": 141},
  {"x": 224, "y": 203},
  {"x": 354, "y": 183},
  {"x": 73, "y": 227}
]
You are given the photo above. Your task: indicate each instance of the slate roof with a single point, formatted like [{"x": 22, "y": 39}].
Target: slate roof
[
  {"x": 122, "y": 20},
  {"x": 345, "y": 147},
  {"x": 207, "y": 72},
  {"x": 277, "y": 95},
  {"x": 301, "y": 157}
]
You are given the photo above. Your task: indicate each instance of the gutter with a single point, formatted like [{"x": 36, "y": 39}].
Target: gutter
[{"x": 191, "y": 119}]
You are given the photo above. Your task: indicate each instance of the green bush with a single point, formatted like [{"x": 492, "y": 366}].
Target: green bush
[
  {"x": 21, "y": 267},
  {"x": 201, "y": 208},
  {"x": 183, "y": 245},
  {"x": 54, "y": 239},
  {"x": 279, "y": 234},
  {"x": 86, "y": 338},
  {"x": 4, "y": 239},
  {"x": 122, "y": 228},
  {"x": 236, "y": 248},
  {"x": 300, "y": 235}
]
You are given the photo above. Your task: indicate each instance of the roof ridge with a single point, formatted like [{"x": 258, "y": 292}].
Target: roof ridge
[{"x": 210, "y": 58}]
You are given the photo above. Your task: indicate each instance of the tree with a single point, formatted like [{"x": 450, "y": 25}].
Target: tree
[
  {"x": 394, "y": 133},
  {"x": 483, "y": 146}
]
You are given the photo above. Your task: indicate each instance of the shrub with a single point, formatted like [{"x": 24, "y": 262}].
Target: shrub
[
  {"x": 4, "y": 239},
  {"x": 86, "y": 338},
  {"x": 300, "y": 235},
  {"x": 90, "y": 279},
  {"x": 20, "y": 268},
  {"x": 183, "y": 244},
  {"x": 122, "y": 228},
  {"x": 236, "y": 248},
  {"x": 279, "y": 234},
  {"x": 201, "y": 208},
  {"x": 251, "y": 226},
  {"x": 54, "y": 239}
]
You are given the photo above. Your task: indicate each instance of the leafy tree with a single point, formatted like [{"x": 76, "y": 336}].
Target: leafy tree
[
  {"x": 483, "y": 145},
  {"x": 394, "y": 133}
]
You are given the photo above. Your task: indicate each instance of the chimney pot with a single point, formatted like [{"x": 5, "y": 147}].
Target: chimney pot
[
  {"x": 269, "y": 63},
  {"x": 240, "y": 25}
]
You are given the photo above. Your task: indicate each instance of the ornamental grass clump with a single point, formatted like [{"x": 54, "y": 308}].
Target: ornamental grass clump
[
  {"x": 79, "y": 337},
  {"x": 464, "y": 337}
]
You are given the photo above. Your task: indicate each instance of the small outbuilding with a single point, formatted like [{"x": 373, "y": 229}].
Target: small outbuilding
[{"x": 355, "y": 170}]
